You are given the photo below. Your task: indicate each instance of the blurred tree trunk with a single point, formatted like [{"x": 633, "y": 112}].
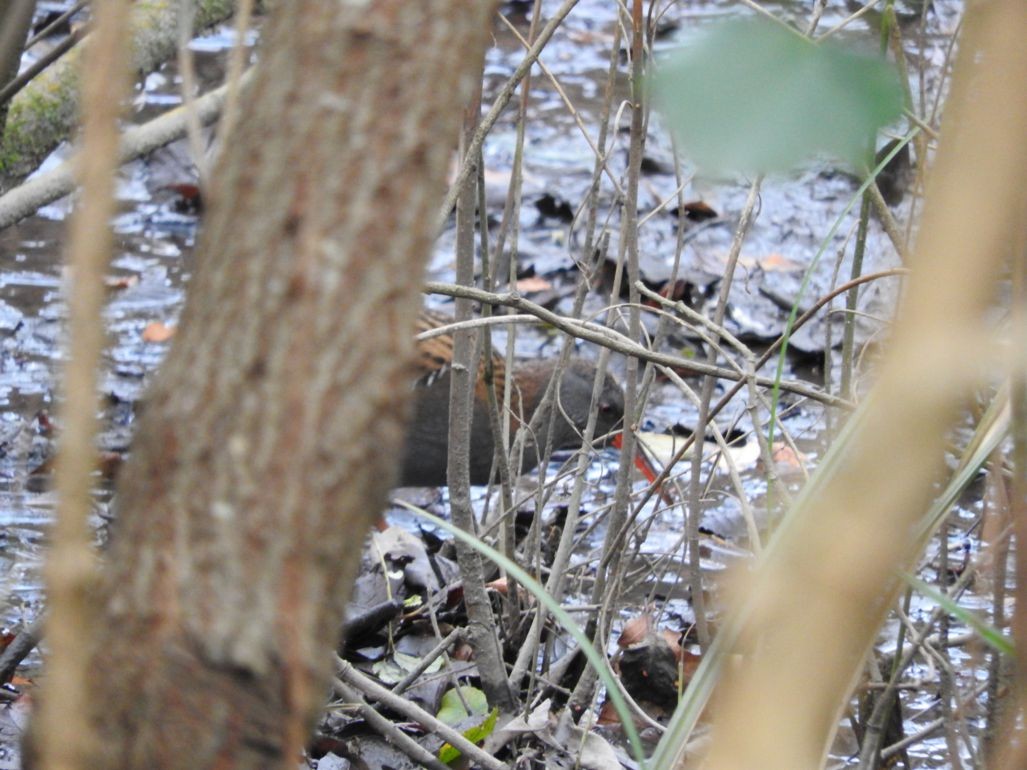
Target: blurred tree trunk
[
  {"x": 15, "y": 22},
  {"x": 272, "y": 430}
]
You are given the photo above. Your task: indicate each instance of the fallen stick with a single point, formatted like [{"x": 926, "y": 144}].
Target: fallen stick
[{"x": 27, "y": 198}]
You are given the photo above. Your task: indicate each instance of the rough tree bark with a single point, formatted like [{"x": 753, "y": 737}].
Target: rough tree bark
[{"x": 272, "y": 430}]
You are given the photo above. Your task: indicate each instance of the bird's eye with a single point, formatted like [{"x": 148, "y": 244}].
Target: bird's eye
[{"x": 605, "y": 407}]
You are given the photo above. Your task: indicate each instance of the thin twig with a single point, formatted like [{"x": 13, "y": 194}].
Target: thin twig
[
  {"x": 694, "y": 498},
  {"x": 439, "y": 649},
  {"x": 53, "y": 25},
  {"x": 354, "y": 678},
  {"x": 619, "y": 343},
  {"x": 187, "y": 74},
  {"x": 388, "y": 730},
  {"x": 11, "y": 89},
  {"x": 742, "y": 381},
  {"x": 498, "y": 105},
  {"x": 463, "y": 381},
  {"x": 236, "y": 65},
  {"x": 19, "y": 647}
]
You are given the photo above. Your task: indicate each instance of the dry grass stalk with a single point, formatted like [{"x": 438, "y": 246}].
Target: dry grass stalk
[{"x": 65, "y": 737}]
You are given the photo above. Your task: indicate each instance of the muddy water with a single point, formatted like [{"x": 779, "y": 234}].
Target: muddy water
[{"x": 155, "y": 243}]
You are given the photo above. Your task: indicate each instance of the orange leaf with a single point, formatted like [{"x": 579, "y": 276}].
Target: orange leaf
[
  {"x": 635, "y": 631},
  {"x": 532, "y": 284},
  {"x": 155, "y": 331},
  {"x": 786, "y": 458},
  {"x": 775, "y": 262}
]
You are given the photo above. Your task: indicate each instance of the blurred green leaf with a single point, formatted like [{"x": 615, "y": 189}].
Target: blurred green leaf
[
  {"x": 396, "y": 667},
  {"x": 452, "y": 711},
  {"x": 753, "y": 97},
  {"x": 595, "y": 658}
]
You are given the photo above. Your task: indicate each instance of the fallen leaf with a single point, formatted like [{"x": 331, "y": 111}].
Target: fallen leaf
[
  {"x": 475, "y": 734},
  {"x": 119, "y": 282},
  {"x": 189, "y": 200},
  {"x": 608, "y": 715},
  {"x": 156, "y": 331},
  {"x": 109, "y": 464},
  {"x": 454, "y": 707},
  {"x": 462, "y": 652},
  {"x": 589, "y": 37},
  {"x": 553, "y": 207},
  {"x": 634, "y": 631},
  {"x": 787, "y": 461},
  {"x": 778, "y": 263},
  {"x": 46, "y": 427},
  {"x": 661, "y": 448},
  {"x": 699, "y": 211},
  {"x": 533, "y": 284}
]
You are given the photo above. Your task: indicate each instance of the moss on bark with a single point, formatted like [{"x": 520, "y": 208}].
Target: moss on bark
[{"x": 46, "y": 112}]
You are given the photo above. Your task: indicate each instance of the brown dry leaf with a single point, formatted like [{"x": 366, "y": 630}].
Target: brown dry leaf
[
  {"x": 589, "y": 37},
  {"x": 635, "y": 631},
  {"x": 110, "y": 463},
  {"x": 499, "y": 585},
  {"x": 699, "y": 211},
  {"x": 786, "y": 459},
  {"x": 44, "y": 423},
  {"x": 502, "y": 587},
  {"x": 107, "y": 463},
  {"x": 462, "y": 652},
  {"x": 778, "y": 263},
  {"x": 673, "y": 640},
  {"x": 678, "y": 290},
  {"x": 119, "y": 282},
  {"x": 156, "y": 331},
  {"x": 533, "y": 284},
  {"x": 190, "y": 198},
  {"x": 689, "y": 662},
  {"x": 607, "y": 715},
  {"x": 45, "y": 468}
]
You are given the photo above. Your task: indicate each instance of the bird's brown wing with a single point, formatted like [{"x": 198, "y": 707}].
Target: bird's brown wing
[{"x": 435, "y": 355}]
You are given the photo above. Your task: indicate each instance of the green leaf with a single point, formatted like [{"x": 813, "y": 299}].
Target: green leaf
[
  {"x": 395, "y": 668},
  {"x": 595, "y": 658},
  {"x": 752, "y": 96},
  {"x": 474, "y": 734},
  {"x": 452, "y": 711}
]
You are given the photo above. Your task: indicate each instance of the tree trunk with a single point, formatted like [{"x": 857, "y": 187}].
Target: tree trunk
[
  {"x": 272, "y": 431},
  {"x": 15, "y": 23}
]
